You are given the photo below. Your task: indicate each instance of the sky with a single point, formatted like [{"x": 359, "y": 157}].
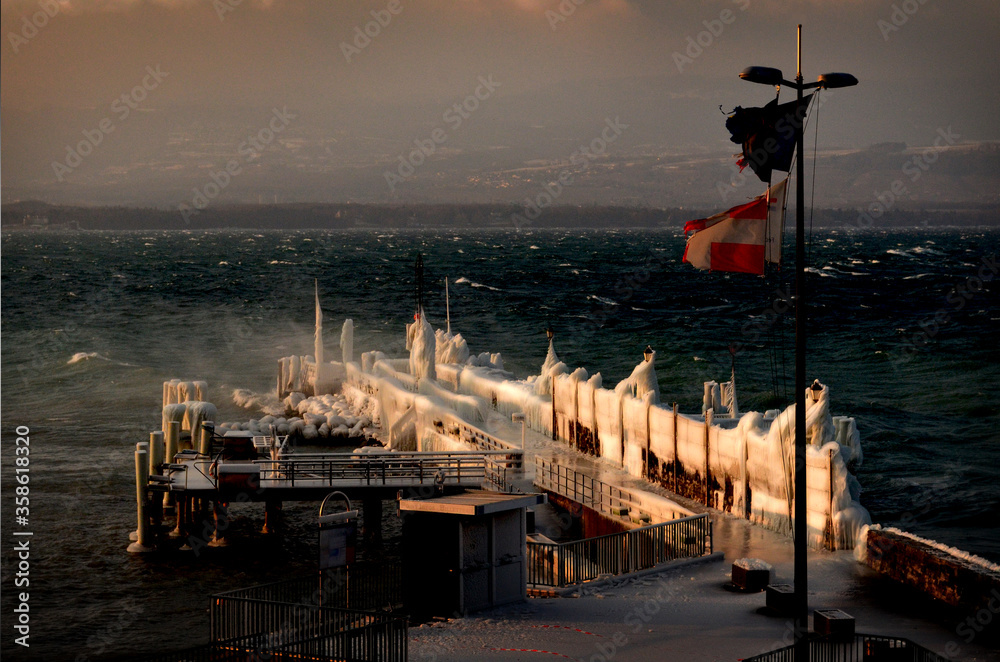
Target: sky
[{"x": 559, "y": 69}]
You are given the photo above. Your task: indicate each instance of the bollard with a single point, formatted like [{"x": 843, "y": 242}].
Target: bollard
[{"x": 141, "y": 543}]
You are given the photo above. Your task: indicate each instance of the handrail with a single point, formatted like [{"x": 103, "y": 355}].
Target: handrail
[
  {"x": 376, "y": 469},
  {"x": 562, "y": 564},
  {"x": 600, "y": 493}
]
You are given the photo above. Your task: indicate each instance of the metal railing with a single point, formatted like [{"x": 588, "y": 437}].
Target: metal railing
[
  {"x": 376, "y": 469},
  {"x": 498, "y": 479},
  {"x": 511, "y": 456},
  {"x": 580, "y": 487},
  {"x": 328, "y": 633},
  {"x": 340, "y": 614},
  {"x": 857, "y": 648},
  {"x": 362, "y": 585},
  {"x": 562, "y": 564}
]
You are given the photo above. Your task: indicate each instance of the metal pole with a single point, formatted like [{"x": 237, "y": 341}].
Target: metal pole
[
  {"x": 801, "y": 570},
  {"x": 447, "y": 306}
]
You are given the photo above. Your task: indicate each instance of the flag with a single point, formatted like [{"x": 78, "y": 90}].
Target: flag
[
  {"x": 767, "y": 135},
  {"x": 740, "y": 239}
]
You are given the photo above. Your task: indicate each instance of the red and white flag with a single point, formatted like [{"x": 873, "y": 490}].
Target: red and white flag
[{"x": 739, "y": 239}]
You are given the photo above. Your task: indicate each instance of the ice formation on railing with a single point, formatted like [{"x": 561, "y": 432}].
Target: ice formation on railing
[{"x": 641, "y": 381}]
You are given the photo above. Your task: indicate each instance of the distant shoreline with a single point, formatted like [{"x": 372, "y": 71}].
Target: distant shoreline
[{"x": 40, "y": 216}]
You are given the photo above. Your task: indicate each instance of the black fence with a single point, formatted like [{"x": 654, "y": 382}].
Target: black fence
[
  {"x": 319, "y": 633},
  {"x": 562, "y": 564},
  {"x": 366, "y": 586},
  {"x": 859, "y": 648},
  {"x": 341, "y": 614}
]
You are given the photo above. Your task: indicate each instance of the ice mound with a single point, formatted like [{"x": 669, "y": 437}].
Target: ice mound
[{"x": 317, "y": 417}]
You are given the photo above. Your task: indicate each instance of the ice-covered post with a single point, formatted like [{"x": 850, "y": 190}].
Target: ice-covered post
[
  {"x": 170, "y": 450},
  {"x": 555, "y": 418},
  {"x": 708, "y": 428},
  {"x": 141, "y": 543},
  {"x": 519, "y": 418},
  {"x": 675, "y": 447},
  {"x": 347, "y": 341},
  {"x": 833, "y": 541},
  {"x": 318, "y": 343}
]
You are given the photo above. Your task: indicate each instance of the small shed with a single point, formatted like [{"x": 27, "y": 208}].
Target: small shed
[{"x": 464, "y": 552}]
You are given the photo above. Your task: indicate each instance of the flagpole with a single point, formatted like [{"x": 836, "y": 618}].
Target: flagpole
[
  {"x": 771, "y": 76},
  {"x": 801, "y": 548}
]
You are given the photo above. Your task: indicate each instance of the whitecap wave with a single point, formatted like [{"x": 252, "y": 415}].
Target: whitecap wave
[
  {"x": 79, "y": 357},
  {"x": 475, "y": 284}
]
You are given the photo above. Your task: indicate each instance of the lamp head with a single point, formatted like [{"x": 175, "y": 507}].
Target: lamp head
[
  {"x": 832, "y": 80},
  {"x": 762, "y": 75}
]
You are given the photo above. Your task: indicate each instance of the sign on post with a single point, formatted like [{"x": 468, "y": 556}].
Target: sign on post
[{"x": 338, "y": 535}]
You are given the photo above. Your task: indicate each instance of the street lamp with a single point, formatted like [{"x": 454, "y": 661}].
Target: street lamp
[{"x": 771, "y": 76}]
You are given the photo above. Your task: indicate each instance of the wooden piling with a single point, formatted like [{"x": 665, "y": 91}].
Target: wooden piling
[
  {"x": 141, "y": 543},
  {"x": 204, "y": 438},
  {"x": 155, "y": 469},
  {"x": 173, "y": 433},
  {"x": 272, "y": 514},
  {"x": 221, "y": 515},
  {"x": 372, "y": 508},
  {"x": 181, "y": 510}
]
